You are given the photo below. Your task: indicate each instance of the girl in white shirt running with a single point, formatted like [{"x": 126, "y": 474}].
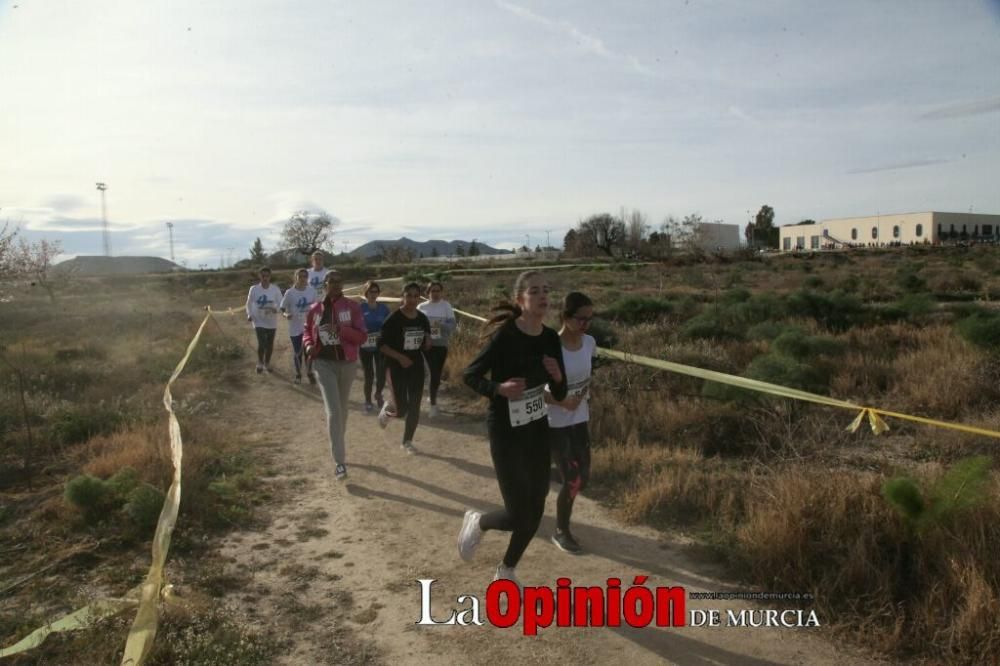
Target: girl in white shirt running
[{"x": 568, "y": 418}]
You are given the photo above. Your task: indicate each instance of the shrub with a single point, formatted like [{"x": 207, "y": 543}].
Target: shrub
[
  {"x": 90, "y": 495},
  {"x": 787, "y": 371},
  {"x": 981, "y": 329},
  {"x": 78, "y": 423},
  {"x": 638, "y": 309},
  {"x": 836, "y": 311},
  {"x": 794, "y": 343},
  {"x": 144, "y": 505}
]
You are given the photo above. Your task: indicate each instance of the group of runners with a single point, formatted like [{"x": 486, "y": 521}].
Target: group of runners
[{"x": 537, "y": 381}]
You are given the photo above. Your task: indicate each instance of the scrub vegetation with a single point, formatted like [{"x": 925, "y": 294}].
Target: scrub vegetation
[{"x": 895, "y": 536}]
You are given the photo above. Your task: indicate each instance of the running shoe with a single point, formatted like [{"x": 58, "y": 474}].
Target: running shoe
[
  {"x": 260, "y": 368},
  {"x": 267, "y": 369},
  {"x": 433, "y": 412},
  {"x": 383, "y": 416},
  {"x": 408, "y": 447},
  {"x": 312, "y": 378},
  {"x": 298, "y": 379},
  {"x": 340, "y": 472},
  {"x": 566, "y": 543},
  {"x": 369, "y": 408},
  {"x": 506, "y": 573},
  {"x": 469, "y": 535}
]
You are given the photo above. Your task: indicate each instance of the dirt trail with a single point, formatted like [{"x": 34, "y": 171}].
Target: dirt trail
[{"x": 337, "y": 565}]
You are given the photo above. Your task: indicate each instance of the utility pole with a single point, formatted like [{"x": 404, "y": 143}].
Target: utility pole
[
  {"x": 548, "y": 243},
  {"x": 104, "y": 220},
  {"x": 170, "y": 228}
]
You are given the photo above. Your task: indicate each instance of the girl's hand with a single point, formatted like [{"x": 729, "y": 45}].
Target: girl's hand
[
  {"x": 513, "y": 388},
  {"x": 405, "y": 362},
  {"x": 552, "y": 367},
  {"x": 572, "y": 402}
]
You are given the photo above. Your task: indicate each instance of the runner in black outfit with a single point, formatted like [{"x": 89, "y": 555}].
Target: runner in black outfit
[
  {"x": 405, "y": 334},
  {"x": 523, "y": 355}
]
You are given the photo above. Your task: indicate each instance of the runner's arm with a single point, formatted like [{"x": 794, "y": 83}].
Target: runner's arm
[{"x": 474, "y": 375}]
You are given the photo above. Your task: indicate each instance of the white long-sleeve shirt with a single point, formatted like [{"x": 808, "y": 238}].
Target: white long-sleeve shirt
[
  {"x": 296, "y": 302},
  {"x": 262, "y": 306}
]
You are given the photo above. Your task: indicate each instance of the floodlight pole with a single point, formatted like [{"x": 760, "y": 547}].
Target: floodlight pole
[{"x": 104, "y": 220}]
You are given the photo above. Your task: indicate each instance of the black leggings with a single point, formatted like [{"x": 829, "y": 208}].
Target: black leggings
[
  {"x": 373, "y": 362},
  {"x": 265, "y": 344},
  {"x": 521, "y": 460},
  {"x": 436, "y": 356},
  {"x": 407, "y": 391},
  {"x": 571, "y": 453}
]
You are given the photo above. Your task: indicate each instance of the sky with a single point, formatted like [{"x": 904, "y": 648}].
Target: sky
[{"x": 504, "y": 121}]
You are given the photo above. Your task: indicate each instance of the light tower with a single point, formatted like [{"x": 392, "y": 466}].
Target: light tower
[
  {"x": 104, "y": 220},
  {"x": 170, "y": 228}
]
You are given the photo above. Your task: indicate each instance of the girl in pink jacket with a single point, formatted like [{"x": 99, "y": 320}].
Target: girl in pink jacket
[{"x": 334, "y": 330}]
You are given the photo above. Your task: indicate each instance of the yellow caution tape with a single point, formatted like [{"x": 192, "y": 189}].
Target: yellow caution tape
[
  {"x": 78, "y": 619},
  {"x": 871, "y": 414},
  {"x": 140, "y": 637}
]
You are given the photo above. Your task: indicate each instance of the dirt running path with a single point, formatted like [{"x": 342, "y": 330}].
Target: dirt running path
[{"x": 337, "y": 565}]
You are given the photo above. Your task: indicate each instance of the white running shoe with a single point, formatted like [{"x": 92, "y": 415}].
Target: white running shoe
[
  {"x": 506, "y": 573},
  {"x": 340, "y": 472},
  {"x": 408, "y": 447},
  {"x": 433, "y": 412},
  {"x": 383, "y": 416},
  {"x": 469, "y": 535}
]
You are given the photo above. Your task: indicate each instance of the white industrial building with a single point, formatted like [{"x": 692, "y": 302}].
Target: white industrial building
[{"x": 930, "y": 228}]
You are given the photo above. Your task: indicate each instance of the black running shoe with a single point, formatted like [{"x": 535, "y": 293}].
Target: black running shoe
[{"x": 566, "y": 543}]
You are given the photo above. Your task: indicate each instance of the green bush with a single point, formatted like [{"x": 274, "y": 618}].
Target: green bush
[
  {"x": 981, "y": 329},
  {"x": 836, "y": 311},
  {"x": 90, "y": 495},
  {"x": 787, "y": 371},
  {"x": 123, "y": 482},
  {"x": 602, "y": 333},
  {"x": 794, "y": 343},
  {"x": 78, "y": 423},
  {"x": 768, "y": 330},
  {"x": 638, "y": 309},
  {"x": 144, "y": 505},
  {"x": 813, "y": 282},
  {"x": 709, "y": 325}
]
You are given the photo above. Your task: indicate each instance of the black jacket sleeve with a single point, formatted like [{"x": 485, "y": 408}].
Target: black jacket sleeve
[
  {"x": 475, "y": 374},
  {"x": 559, "y": 390}
]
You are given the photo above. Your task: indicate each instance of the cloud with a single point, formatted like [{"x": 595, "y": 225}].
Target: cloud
[
  {"x": 64, "y": 203},
  {"x": 964, "y": 109},
  {"x": 902, "y": 165},
  {"x": 589, "y": 43}
]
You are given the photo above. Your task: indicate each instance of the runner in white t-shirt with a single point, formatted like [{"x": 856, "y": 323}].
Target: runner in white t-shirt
[
  {"x": 317, "y": 273},
  {"x": 262, "y": 312},
  {"x": 568, "y": 418},
  {"x": 317, "y": 278},
  {"x": 294, "y": 306}
]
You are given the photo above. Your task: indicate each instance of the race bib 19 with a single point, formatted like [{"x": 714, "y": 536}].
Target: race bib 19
[
  {"x": 530, "y": 407},
  {"x": 412, "y": 339}
]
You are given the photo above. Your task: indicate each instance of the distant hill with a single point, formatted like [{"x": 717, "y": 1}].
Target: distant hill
[
  {"x": 115, "y": 266},
  {"x": 444, "y": 248}
]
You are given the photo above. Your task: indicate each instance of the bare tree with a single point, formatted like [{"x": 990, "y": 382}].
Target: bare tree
[
  {"x": 603, "y": 231},
  {"x": 308, "y": 232}
]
